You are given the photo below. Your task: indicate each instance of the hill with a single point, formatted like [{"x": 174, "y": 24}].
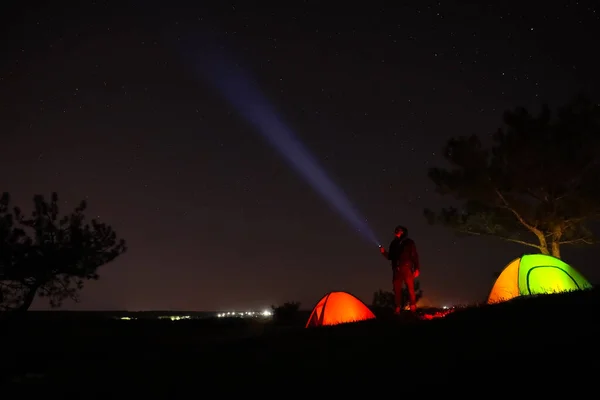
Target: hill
[{"x": 556, "y": 333}]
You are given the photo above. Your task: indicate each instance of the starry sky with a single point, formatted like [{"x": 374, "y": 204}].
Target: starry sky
[{"x": 97, "y": 102}]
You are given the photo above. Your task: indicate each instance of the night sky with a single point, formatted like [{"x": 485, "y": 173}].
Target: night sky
[{"x": 98, "y": 102}]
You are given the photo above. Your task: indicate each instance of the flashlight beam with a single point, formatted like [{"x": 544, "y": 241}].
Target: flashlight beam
[{"x": 239, "y": 89}]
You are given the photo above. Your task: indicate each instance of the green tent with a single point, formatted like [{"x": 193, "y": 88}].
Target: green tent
[{"x": 536, "y": 274}]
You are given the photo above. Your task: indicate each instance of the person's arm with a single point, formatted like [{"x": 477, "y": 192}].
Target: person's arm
[{"x": 384, "y": 252}]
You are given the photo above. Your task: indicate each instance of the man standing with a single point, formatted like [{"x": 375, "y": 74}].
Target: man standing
[{"x": 405, "y": 266}]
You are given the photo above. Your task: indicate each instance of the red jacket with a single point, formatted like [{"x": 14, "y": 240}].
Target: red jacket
[{"x": 403, "y": 251}]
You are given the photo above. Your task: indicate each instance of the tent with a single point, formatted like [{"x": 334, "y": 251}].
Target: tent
[
  {"x": 536, "y": 274},
  {"x": 337, "y": 308}
]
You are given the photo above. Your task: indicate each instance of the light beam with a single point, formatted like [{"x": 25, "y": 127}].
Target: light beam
[{"x": 239, "y": 89}]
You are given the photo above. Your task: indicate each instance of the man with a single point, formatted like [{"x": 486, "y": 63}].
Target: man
[{"x": 405, "y": 266}]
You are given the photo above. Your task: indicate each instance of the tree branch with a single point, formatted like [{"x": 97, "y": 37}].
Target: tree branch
[
  {"x": 517, "y": 215},
  {"x": 530, "y": 192},
  {"x": 472, "y": 233},
  {"x": 579, "y": 240}
]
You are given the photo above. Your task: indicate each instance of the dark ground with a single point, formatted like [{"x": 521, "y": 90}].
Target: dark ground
[{"x": 531, "y": 344}]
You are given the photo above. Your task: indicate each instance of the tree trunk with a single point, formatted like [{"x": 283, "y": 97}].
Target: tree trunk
[
  {"x": 556, "y": 235},
  {"x": 555, "y": 249},
  {"x": 543, "y": 243}
]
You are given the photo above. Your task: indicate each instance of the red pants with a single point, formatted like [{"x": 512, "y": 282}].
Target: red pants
[{"x": 404, "y": 275}]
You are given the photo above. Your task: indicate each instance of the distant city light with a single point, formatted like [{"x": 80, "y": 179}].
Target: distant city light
[
  {"x": 171, "y": 317},
  {"x": 246, "y": 314},
  {"x": 175, "y": 317},
  {"x": 228, "y": 314}
]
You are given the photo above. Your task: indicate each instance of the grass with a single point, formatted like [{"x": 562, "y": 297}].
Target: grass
[{"x": 553, "y": 333}]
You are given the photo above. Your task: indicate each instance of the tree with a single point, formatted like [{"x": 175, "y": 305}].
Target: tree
[
  {"x": 537, "y": 185},
  {"x": 48, "y": 255},
  {"x": 385, "y": 300},
  {"x": 286, "y": 313}
]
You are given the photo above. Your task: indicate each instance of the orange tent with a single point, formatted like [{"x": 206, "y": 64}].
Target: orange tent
[{"x": 338, "y": 308}]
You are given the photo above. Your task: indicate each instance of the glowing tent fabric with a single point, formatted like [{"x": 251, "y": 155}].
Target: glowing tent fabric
[
  {"x": 338, "y": 308},
  {"x": 536, "y": 274}
]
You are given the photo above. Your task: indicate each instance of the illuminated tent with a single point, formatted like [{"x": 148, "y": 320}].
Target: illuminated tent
[
  {"x": 536, "y": 274},
  {"x": 338, "y": 308}
]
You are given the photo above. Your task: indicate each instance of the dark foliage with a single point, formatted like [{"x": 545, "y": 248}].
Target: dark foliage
[
  {"x": 538, "y": 184},
  {"x": 285, "y": 314},
  {"x": 48, "y": 255}
]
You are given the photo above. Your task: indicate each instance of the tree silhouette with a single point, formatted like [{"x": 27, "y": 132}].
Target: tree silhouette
[
  {"x": 286, "y": 313},
  {"x": 538, "y": 184},
  {"x": 383, "y": 299},
  {"x": 48, "y": 255}
]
